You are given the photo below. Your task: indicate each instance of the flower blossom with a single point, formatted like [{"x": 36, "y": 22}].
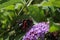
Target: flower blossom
[{"x": 37, "y": 30}]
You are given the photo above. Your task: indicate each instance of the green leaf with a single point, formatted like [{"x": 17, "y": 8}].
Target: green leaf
[
  {"x": 11, "y": 7},
  {"x": 18, "y": 6},
  {"x": 36, "y": 13},
  {"x": 54, "y": 28},
  {"x": 44, "y": 3},
  {"x": 57, "y": 4},
  {"x": 10, "y": 2}
]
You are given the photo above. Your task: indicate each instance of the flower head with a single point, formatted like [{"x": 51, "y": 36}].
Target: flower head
[{"x": 37, "y": 30}]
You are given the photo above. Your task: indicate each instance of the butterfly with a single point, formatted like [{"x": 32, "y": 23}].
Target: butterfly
[{"x": 26, "y": 24}]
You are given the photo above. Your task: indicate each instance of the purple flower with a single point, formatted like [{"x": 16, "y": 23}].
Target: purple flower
[{"x": 37, "y": 30}]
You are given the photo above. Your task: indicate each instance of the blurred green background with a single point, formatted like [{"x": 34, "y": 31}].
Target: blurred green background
[{"x": 15, "y": 10}]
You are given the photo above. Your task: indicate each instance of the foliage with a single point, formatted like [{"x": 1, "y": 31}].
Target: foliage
[{"x": 38, "y": 10}]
